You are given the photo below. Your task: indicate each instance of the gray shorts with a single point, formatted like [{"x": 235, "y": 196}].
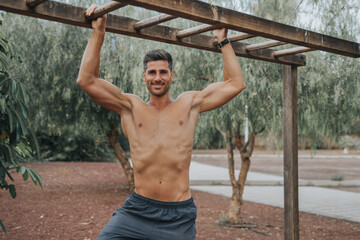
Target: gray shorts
[{"x": 145, "y": 218}]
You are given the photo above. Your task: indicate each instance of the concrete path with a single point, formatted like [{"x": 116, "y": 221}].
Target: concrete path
[{"x": 321, "y": 201}]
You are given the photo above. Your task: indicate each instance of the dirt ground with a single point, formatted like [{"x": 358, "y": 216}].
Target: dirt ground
[{"x": 79, "y": 198}]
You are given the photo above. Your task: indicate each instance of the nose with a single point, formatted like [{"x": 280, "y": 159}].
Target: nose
[{"x": 157, "y": 77}]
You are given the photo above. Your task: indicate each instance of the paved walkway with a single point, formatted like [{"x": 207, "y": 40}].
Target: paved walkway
[{"x": 317, "y": 200}]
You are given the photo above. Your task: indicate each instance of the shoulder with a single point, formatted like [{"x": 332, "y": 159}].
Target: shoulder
[
  {"x": 189, "y": 98},
  {"x": 189, "y": 95},
  {"x": 133, "y": 98}
]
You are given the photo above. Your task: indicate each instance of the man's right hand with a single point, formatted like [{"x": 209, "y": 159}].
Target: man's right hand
[{"x": 99, "y": 23}]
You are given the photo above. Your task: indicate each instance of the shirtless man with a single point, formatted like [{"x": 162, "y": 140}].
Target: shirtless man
[{"x": 160, "y": 133}]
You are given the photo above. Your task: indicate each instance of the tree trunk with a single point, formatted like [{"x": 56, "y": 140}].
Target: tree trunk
[
  {"x": 246, "y": 150},
  {"x": 113, "y": 136},
  {"x": 234, "y": 214},
  {"x": 245, "y": 161}
]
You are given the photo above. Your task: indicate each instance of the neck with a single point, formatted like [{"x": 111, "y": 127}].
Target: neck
[{"x": 159, "y": 102}]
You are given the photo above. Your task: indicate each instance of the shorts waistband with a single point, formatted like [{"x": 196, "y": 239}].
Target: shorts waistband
[{"x": 162, "y": 204}]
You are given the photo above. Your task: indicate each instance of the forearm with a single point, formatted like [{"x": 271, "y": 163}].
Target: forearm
[
  {"x": 232, "y": 70},
  {"x": 90, "y": 64}
]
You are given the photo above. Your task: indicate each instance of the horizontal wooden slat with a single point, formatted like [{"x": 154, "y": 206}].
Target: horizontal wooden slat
[
  {"x": 236, "y": 37},
  {"x": 73, "y": 15},
  {"x": 240, "y": 36},
  {"x": 153, "y": 21},
  {"x": 291, "y": 51},
  {"x": 193, "y": 31},
  {"x": 106, "y": 8},
  {"x": 211, "y": 14},
  {"x": 262, "y": 45},
  {"x": 34, "y": 3}
]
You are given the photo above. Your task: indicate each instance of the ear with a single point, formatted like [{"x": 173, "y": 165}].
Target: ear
[
  {"x": 144, "y": 76},
  {"x": 172, "y": 76}
]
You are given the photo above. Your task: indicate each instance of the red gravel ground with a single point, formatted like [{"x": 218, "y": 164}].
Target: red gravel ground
[{"x": 78, "y": 199}]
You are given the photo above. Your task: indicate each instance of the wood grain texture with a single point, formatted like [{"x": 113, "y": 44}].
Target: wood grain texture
[
  {"x": 262, "y": 45},
  {"x": 106, "y": 8},
  {"x": 34, "y": 3},
  {"x": 215, "y": 15},
  {"x": 73, "y": 15},
  {"x": 291, "y": 196},
  {"x": 153, "y": 21}
]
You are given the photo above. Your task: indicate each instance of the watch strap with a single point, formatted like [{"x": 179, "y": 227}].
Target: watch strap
[{"x": 223, "y": 42}]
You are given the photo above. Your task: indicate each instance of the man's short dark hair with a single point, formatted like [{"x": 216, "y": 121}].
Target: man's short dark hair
[{"x": 156, "y": 55}]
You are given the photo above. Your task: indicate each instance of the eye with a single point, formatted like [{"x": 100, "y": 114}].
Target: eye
[
  {"x": 151, "y": 72},
  {"x": 164, "y": 72}
]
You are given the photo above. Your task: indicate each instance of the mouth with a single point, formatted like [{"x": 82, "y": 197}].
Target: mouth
[{"x": 157, "y": 85}]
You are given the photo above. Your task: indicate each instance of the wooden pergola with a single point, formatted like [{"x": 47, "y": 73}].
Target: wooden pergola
[{"x": 210, "y": 17}]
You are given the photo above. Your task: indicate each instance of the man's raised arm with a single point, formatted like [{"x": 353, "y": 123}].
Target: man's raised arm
[
  {"x": 219, "y": 93},
  {"x": 101, "y": 91}
]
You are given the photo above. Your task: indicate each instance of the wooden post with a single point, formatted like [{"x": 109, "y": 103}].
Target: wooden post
[{"x": 291, "y": 196}]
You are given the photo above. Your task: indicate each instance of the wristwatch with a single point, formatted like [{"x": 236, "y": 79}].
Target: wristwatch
[{"x": 223, "y": 42}]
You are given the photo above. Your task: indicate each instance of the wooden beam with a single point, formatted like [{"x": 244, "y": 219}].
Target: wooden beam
[
  {"x": 292, "y": 51},
  {"x": 291, "y": 196},
  {"x": 215, "y": 15},
  {"x": 236, "y": 37},
  {"x": 106, "y": 8},
  {"x": 69, "y": 14},
  {"x": 34, "y": 3},
  {"x": 193, "y": 31},
  {"x": 153, "y": 21},
  {"x": 240, "y": 36},
  {"x": 262, "y": 45}
]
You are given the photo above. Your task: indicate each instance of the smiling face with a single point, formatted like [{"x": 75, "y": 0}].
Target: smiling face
[{"x": 158, "y": 77}]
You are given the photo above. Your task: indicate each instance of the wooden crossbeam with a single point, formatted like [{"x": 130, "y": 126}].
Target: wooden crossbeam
[
  {"x": 213, "y": 15},
  {"x": 106, "y": 8},
  {"x": 193, "y": 31},
  {"x": 34, "y": 3},
  {"x": 291, "y": 51},
  {"x": 69, "y": 14},
  {"x": 240, "y": 36},
  {"x": 257, "y": 46},
  {"x": 153, "y": 21},
  {"x": 236, "y": 37}
]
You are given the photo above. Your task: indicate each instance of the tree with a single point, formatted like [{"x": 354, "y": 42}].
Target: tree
[
  {"x": 329, "y": 87},
  {"x": 17, "y": 140}
]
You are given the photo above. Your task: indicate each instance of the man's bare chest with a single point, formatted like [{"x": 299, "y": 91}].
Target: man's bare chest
[{"x": 149, "y": 124}]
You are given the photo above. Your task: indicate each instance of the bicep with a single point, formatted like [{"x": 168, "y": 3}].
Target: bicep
[
  {"x": 107, "y": 95},
  {"x": 215, "y": 95}
]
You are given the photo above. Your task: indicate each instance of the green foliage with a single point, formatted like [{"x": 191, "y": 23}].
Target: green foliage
[
  {"x": 223, "y": 219},
  {"x": 74, "y": 146},
  {"x": 3, "y": 227},
  {"x": 349, "y": 142},
  {"x": 337, "y": 177},
  {"x": 16, "y": 137}
]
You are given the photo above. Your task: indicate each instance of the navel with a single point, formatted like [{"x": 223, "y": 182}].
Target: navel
[
  {"x": 181, "y": 123},
  {"x": 140, "y": 125}
]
